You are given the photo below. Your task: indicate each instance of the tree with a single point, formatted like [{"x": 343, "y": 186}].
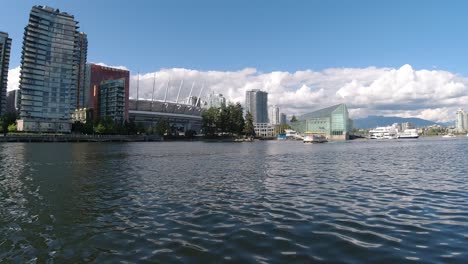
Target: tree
[
  {"x": 209, "y": 121},
  {"x": 293, "y": 119},
  {"x": 162, "y": 127},
  {"x": 6, "y": 120},
  {"x": 236, "y": 119},
  {"x": 100, "y": 128},
  {"x": 12, "y": 128},
  {"x": 249, "y": 127}
]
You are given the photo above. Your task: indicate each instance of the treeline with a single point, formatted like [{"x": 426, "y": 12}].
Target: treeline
[{"x": 227, "y": 120}]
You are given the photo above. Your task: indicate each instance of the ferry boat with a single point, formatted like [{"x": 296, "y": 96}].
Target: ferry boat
[
  {"x": 408, "y": 134},
  {"x": 314, "y": 138},
  {"x": 383, "y": 133}
]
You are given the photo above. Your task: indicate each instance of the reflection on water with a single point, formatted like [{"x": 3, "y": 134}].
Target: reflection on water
[{"x": 364, "y": 201}]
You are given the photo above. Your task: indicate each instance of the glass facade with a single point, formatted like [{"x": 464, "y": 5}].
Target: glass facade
[
  {"x": 49, "y": 69},
  {"x": 256, "y": 102},
  {"x": 95, "y": 75},
  {"x": 112, "y": 100},
  {"x": 5, "y": 47},
  {"x": 333, "y": 122}
]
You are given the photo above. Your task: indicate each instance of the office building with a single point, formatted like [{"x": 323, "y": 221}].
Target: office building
[
  {"x": 49, "y": 71},
  {"x": 95, "y": 76},
  {"x": 216, "y": 100},
  {"x": 5, "y": 47},
  {"x": 283, "y": 120},
  {"x": 112, "y": 100},
  {"x": 256, "y": 102},
  {"x": 332, "y": 122},
  {"x": 274, "y": 115}
]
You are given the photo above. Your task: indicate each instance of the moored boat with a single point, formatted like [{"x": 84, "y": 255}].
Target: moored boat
[
  {"x": 449, "y": 135},
  {"x": 312, "y": 138},
  {"x": 408, "y": 134}
]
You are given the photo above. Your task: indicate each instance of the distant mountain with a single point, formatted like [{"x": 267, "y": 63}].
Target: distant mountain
[{"x": 375, "y": 121}]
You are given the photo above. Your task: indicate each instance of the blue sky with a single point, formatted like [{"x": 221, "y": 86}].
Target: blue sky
[
  {"x": 402, "y": 58},
  {"x": 267, "y": 35}
]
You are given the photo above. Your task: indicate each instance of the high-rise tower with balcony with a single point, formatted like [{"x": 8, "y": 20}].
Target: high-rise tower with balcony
[
  {"x": 256, "y": 102},
  {"x": 5, "y": 46},
  {"x": 52, "y": 53}
]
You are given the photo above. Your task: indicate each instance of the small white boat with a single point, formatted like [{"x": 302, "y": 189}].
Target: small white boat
[{"x": 449, "y": 135}]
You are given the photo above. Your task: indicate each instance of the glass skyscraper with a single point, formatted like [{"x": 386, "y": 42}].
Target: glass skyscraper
[
  {"x": 5, "y": 46},
  {"x": 52, "y": 56},
  {"x": 256, "y": 102}
]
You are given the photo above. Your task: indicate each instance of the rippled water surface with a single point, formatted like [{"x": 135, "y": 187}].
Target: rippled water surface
[{"x": 356, "y": 201}]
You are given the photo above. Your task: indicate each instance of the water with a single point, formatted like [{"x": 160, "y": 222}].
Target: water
[{"x": 273, "y": 202}]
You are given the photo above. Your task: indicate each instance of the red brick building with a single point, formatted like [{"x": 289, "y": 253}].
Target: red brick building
[{"x": 96, "y": 75}]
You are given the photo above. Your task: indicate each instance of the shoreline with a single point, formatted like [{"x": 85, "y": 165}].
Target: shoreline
[{"x": 81, "y": 138}]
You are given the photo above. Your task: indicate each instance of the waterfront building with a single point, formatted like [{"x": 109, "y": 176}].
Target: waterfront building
[
  {"x": 256, "y": 102},
  {"x": 5, "y": 48},
  {"x": 82, "y": 58},
  {"x": 180, "y": 117},
  {"x": 332, "y": 122},
  {"x": 95, "y": 76},
  {"x": 274, "y": 115},
  {"x": 264, "y": 130},
  {"x": 283, "y": 120},
  {"x": 216, "y": 100},
  {"x": 112, "y": 100},
  {"x": 405, "y": 126},
  {"x": 12, "y": 101},
  {"x": 461, "y": 124},
  {"x": 49, "y": 71}
]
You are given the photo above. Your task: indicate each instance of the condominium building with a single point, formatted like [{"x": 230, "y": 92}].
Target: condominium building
[
  {"x": 461, "y": 122},
  {"x": 283, "y": 120},
  {"x": 95, "y": 76},
  {"x": 50, "y": 64},
  {"x": 5, "y": 46},
  {"x": 274, "y": 115},
  {"x": 112, "y": 100},
  {"x": 256, "y": 102},
  {"x": 82, "y": 57},
  {"x": 216, "y": 100}
]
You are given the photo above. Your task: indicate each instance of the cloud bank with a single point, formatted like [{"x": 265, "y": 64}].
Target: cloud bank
[{"x": 430, "y": 94}]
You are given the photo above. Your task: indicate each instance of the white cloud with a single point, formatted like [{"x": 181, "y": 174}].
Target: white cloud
[
  {"x": 405, "y": 92},
  {"x": 117, "y": 67},
  {"x": 429, "y": 94},
  {"x": 13, "y": 78}
]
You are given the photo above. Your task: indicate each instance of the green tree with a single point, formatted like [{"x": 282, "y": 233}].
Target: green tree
[
  {"x": 6, "y": 120},
  {"x": 209, "y": 121},
  {"x": 162, "y": 127},
  {"x": 100, "y": 128},
  {"x": 249, "y": 127},
  {"x": 236, "y": 119},
  {"x": 12, "y": 128},
  {"x": 293, "y": 119}
]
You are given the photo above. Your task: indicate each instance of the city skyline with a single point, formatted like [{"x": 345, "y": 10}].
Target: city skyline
[{"x": 386, "y": 67}]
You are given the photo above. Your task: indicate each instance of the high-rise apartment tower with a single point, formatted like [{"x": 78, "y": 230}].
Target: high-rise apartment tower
[
  {"x": 5, "y": 46},
  {"x": 51, "y": 60}
]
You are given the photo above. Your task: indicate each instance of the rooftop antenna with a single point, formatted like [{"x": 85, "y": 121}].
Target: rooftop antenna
[
  {"x": 190, "y": 94},
  {"x": 178, "y": 93},
  {"x": 167, "y": 87}
]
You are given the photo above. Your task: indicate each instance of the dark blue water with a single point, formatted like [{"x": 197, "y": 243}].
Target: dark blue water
[{"x": 267, "y": 202}]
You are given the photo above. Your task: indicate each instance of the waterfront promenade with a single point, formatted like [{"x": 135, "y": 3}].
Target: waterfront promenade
[{"x": 79, "y": 138}]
